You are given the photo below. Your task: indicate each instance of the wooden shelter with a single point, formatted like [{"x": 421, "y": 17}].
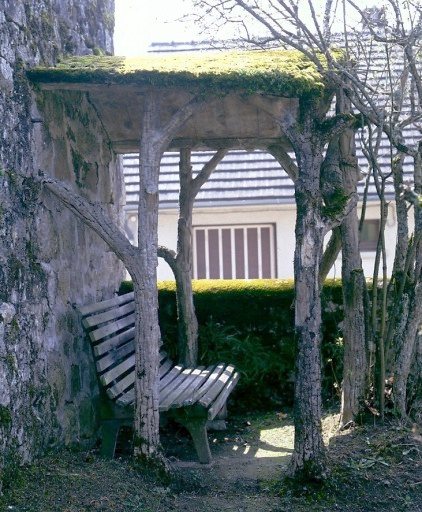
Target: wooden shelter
[{"x": 274, "y": 100}]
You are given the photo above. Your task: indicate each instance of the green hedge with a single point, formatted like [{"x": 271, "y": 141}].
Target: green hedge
[{"x": 251, "y": 324}]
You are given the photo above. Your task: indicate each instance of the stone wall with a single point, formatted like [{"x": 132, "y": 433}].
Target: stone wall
[{"x": 49, "y": 262}]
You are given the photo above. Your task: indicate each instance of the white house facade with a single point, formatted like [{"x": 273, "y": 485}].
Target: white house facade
[{"x": 243, "y": 219}]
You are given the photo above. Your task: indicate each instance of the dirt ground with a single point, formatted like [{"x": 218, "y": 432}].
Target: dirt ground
[{"x": 372, "y": 468}]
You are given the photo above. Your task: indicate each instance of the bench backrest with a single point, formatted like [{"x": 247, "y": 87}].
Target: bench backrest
[{"x": 111, "y": 328}]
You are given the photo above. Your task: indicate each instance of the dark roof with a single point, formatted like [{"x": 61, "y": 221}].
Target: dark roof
[{"x": 241, "y": 178}]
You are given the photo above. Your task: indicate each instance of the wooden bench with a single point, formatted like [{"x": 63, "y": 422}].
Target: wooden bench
[{"x": 193, "y": 396}]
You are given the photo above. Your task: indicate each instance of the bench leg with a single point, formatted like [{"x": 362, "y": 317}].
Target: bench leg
[
  {"x": 219, "y": 422},
  {"x": 110, "y": 430},
  {"x": 197, "y": 428}
]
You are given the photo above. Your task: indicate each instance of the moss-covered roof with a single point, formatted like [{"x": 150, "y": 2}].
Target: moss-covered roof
[{"x": 278, "y": 72}]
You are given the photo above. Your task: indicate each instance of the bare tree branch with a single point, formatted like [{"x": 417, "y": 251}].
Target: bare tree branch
[
  {"x": 285, "y": 160},
  {"x": 206, "y": 171},
  {"x": 168, "y": 255},
  {"x": 93, "y": 215}
]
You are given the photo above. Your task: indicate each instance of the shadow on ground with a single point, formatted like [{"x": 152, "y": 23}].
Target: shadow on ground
[{"x": 373, "y": 468}]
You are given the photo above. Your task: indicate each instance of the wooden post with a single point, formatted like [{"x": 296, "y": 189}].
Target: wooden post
[
  {"x": 182, "y": 262},
  {"x": 147, "y": 330},
  {"x": 309, "y": 452},
  {"x": 154, "y": 139}
]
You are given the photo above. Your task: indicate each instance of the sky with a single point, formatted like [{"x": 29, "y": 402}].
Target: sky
[{"x": 141, "y": 22}]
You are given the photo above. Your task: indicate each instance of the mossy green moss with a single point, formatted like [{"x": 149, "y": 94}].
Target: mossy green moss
[
  {"x": 279, "y": 72},
  {"x": 336, "y": 204},
  {"x": 80, "y": 167},
  {"x": 5, "y": 416}
]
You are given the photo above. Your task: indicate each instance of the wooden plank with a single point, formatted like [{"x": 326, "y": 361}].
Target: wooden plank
[
  {"x": 118, "y": 370},
  {"x": 108, "y": 344},
  {"x": 217, "y": 385},
  {"x": 128, "y": 398},
  {"x": 202, "y": 390},
  {"x": 172, "y": 399},
  {"x": 222, "y": 397},
  {"x": 114, "y": 356},
  {"x": 165, "y": 367},
  {"x": 106, "y": 316},
  {"x": 112, "y": 328},
  {"x": 163, "y": 355},
  {"x": 174, "y": 384},
  {"x": 121, "y": 386},
  {"x": 187, "y": 397},
  {"x": 106, "y": 304},
  {"x": 171, "y": 375}
]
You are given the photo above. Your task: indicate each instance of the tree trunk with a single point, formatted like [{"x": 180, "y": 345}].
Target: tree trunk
[
  {"x": 355, "y": 357},
  {"x": 406, "y": 350},
  {"x": 355, "y": 360},
  {"x": 182, "y": 263},
  {"x": 308, "y": 459},
  {"x": 339, "y": 177},
  {"x": 154, "y": 139},
  {"x": 146, "y": 443},
  {"x": 414, "y": 393},
  {"x": 397, "y": 282},
  {"x": 187, "y": 322},
  {"x": 146, "y": 439}
]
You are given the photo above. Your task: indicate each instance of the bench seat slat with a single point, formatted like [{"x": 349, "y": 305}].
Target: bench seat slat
[
  {"x": 106, "y": 316},
  {"x": 172, "y": 398},
  {"x": 202, "y": 390},
  {"x": 222, "y": 397},
  {"x": 171, "y": 375},
  {"x": 129, "y": 397},
  {"x": 106, "y": 304},
  {"x": 168, "y": 393},
  {"x": 165, "y": 367},
  {"x": 216, "y": 387},
  {"x": 121, "y": 386},
  {"x": 195, "y": 384}
]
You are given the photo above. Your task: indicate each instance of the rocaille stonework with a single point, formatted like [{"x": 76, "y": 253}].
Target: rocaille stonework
[{"x": 49, "y": 261}]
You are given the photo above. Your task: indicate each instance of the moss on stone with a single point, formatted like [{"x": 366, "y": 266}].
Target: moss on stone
[
  {"x": 15, "y": 268},
  {"x": 279, "y": 72},
  {"x": 75, "y": 379},
  {"x": 5, "y": 416},
  {"x": 80, "y": 167},
  {"x": 10, "y": 359}
]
